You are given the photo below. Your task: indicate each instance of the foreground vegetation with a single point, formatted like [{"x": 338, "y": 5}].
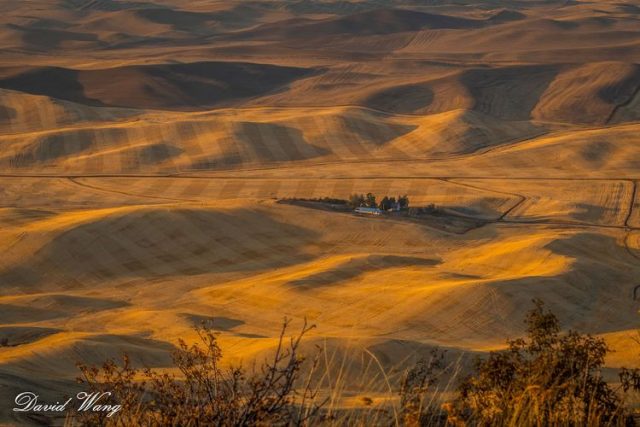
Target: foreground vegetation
[{"x": 546, "y": 378}]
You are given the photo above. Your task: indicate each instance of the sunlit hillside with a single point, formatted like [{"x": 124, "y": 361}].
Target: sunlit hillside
[{"x": 148, "y": 148}]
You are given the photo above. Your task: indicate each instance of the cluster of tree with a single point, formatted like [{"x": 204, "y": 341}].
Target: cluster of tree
[
  {"x": 430, "y": 209},
  {"x": 369, "y": 201}
]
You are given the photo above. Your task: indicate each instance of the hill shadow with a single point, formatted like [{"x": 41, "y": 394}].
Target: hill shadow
[
  {"x": 272, "y": 142},
  {"x": 357, "y": 267},
  {"x": 509, "y": 93},
  {"x": 401, "y": 99},
  {"x": 160, "y": 243},
  {"x": 594, "y": 296},
  {"x": 183, "y": 86}
]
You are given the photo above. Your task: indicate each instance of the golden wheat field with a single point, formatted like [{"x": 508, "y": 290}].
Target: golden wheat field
[{"x": 146, "y": 148}]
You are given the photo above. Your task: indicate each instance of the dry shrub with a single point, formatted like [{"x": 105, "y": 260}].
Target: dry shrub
[
  {"x": 206, "y": 393},
  {"x": 417, "y": 408},
  {"x": 545, "y": 379}
]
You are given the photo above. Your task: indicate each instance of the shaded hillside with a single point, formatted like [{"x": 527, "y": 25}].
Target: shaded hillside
[
  {"x": 367, "y": 23},
  {"x": 161, "y": 86},
  {"x": 589, "y": 93}
]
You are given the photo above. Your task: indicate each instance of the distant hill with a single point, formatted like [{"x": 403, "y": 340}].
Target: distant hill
[{"x": 159, "y": 86}]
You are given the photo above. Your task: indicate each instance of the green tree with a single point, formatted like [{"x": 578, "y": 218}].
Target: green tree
[
  {"x": 403, "y": 201},
  {"x": 370, "y": 201},
  {"x": 385, "y": 203},
  {"x": 356, "y": 200}
]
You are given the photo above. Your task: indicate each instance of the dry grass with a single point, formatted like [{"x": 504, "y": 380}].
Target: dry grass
[{"x": 547, "y": 378}]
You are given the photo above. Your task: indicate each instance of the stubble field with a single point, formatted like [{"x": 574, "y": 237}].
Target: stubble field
[{"x": 145, "y": 146}]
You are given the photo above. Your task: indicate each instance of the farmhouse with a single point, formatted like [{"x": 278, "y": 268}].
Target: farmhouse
[{"x": 368, "y": 211}]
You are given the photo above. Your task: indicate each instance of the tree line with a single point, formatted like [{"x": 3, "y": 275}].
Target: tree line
[{"x": 369, "y": 201}]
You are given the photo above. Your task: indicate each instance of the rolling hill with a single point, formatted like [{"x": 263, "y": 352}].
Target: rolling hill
[{"x": 159, "y": 161}]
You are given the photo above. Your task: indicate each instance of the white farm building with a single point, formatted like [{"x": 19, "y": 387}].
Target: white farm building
[{"x": 368, "y": 211}]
